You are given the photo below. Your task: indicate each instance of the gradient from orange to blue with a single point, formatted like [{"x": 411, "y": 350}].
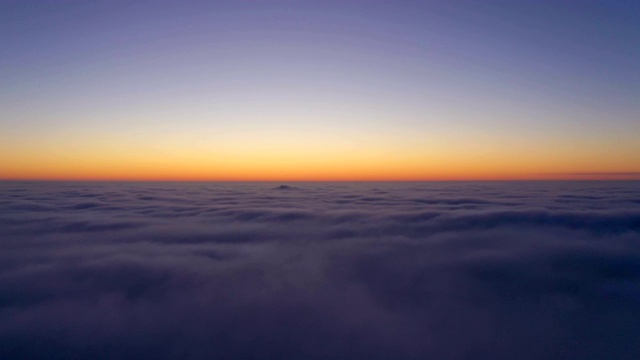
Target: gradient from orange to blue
[{"x": 310, "y": 90}]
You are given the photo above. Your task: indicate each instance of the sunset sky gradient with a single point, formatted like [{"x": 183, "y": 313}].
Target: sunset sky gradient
[{"x": 319, "y": 90}]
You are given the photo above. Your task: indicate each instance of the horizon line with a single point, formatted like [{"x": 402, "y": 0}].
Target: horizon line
[{"x": 577, "y": 179}]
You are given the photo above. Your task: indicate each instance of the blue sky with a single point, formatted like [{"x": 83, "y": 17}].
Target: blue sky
[{"x": 405, "y": 78}]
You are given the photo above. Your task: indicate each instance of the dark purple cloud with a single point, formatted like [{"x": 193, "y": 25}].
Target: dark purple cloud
[{"x": 547, "y": 270}]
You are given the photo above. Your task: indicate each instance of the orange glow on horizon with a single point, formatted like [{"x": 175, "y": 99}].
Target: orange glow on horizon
[
  {"x": 328, "y": 171},
  {"x": 311, "y": 157}
]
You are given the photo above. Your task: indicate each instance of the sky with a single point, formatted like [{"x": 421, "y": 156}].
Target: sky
[{"x": 319, "y": 90}]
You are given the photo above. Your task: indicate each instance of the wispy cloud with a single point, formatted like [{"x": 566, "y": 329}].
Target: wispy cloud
[{"x": 605, "y": 174}]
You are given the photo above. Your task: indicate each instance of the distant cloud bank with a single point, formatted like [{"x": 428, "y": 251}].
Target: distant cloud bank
[{"x": 530, "y": 270}]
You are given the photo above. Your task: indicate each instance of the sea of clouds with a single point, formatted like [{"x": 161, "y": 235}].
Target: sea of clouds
[{"x": 522, "y": 270}]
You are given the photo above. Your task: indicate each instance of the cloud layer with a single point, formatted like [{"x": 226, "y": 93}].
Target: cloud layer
[{"x": 320, "y": 270}]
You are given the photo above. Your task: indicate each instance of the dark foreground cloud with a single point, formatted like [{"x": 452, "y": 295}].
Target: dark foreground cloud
[{"x": 320, "y": 271}]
